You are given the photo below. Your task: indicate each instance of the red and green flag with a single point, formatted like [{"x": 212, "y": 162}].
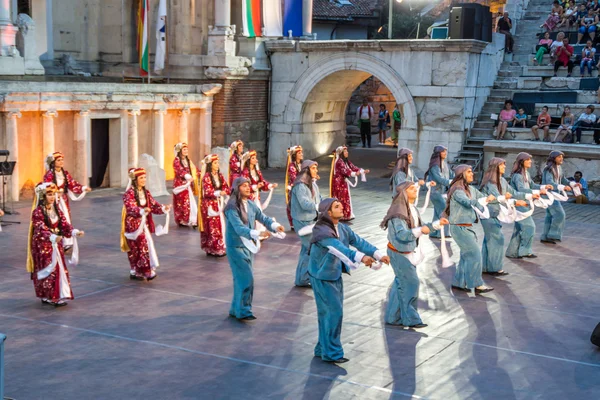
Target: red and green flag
[
  {"x": 252, "y": 17},
  {"x": 142, "y": 42}
]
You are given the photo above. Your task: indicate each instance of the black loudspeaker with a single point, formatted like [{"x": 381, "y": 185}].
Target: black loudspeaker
[
  {"x": 596, "y": 336},
  {"x": 462, "y": 23},
  {"x": 470, "y": 21}
]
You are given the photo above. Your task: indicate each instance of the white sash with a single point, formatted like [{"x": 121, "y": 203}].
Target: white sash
[
  {"x": 160, "y": 230},
  {"x": 486, "y": 211},
  {"x": 62, "y": 205},
  {"x": 221, "y": 201},
  {"x": 446, "y": 261},
  {"x": 65, "y": 289},
  {"x": 73, "y": 197},
  {"x": 424, "y": 208}
]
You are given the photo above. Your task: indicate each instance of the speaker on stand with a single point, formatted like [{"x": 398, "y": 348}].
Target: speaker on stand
[
  {"x": 6, "y": 170},
  {"x": 470, "y": 21}
]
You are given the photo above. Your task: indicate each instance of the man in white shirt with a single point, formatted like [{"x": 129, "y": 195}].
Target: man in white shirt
[
  {"x": 364, "y": 114},
  {"x": 585, "y": 120}
]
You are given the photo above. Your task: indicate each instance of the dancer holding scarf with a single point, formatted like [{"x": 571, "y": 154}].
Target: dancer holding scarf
[
  {"x": 342, "y": 170},
  {"x": 236, "y": 150},
  {"x": 330, "y": 256},
  {"x": 251, "y": 171},
  {"x": 304, "y": 202},
  {"x": 67, "y": 188},
  {"x": 45, "y": 254},
  {"x": 493, "y": 183},
  {"x": 213, "y": 188},
  {"x": 241, "y": 213},
  {"x": 554, "y": 223},
  {"x": 520, "y": 244},
  {"x": 185, "y": 187},
  {"x": 294, "y": 161},
  {"x": 404, "y": 226},
  {"x": 403, "y": 171},
  {"x": 440, "y": 173},
  {"x": 137, "y": 226},
  {"x": 462, "y": 199}
]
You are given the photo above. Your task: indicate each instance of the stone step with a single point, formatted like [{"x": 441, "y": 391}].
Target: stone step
[
  {"x": 481, "y": 132},
  {"x": 489, "y": 123},
  {"x": 509, "y": 73},
  {"x": 506, "y": 83},
  {"x": 505, "y": 93},
  {"x": 525, "y": 134},
  {"x": 529, "y": 82},
  {"x": 468, "y": 153},
  {"x": 547, "y": 71},
  {"x": 464, "y": 159},
  {"x": 473, "y": 147}
]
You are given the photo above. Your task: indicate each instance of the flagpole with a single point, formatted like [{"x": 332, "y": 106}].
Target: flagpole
[
  {"x": 148, "y": 36},
  {"x": 167, "y": 65}
]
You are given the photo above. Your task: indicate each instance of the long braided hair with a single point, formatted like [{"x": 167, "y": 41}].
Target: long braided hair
[
  {"x": 216, "y": 185},
  {"x": 54, "y": 176},
  {"x": 47, "y": 221},
  {"x": 136, "y": 193}
]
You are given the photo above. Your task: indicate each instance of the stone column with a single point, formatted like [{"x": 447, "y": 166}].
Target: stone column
[
  {"x": 183, "y": 125},
  {"x": 159, "y": 137},
  {"x": 82, "y": 143},
  {"x": 221, "y": 36},
  {"x": 132, "y": 139},
  {"x": 223, "y": 13},
  {"x": 48, "y": 146},
  {"x": 307, "y": 12},
  {"x": 205, "y": 134},
  {"x": 12, "y": 145},
  {"x": 8, "y": 31}
]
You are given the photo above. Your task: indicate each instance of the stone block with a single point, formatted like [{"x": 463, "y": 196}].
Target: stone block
[
  {"x": 449, "y": 69},
  {"x": 563, "y": 83},
  {"x": 530, "y": 82},
  {"x": 442, "y": 112}
]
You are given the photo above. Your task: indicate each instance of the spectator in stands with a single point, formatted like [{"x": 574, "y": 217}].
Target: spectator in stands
[
  {"x": 543, "y": 48},
  {"x": 521, "y": 119},
  {"x": 587, "y": 24},
  {"x": 588, "y": 58},
  {"x": 555, "y": 46},
  {"x": 382, "y": 123},
  {"x": 506, "y": 119},
  {"x": 569, "y": 16},
  {"x": 554, "y": 18},
  {"x": 504, "y": 27},
  {"x": 587, "y": 120},
  {"x": 583, "y": 198},
  {"x": 564, "y": 133},
  {"x": 543, "y": 122},
  {"x": 593, "y": 5},
  {"x": 563, "y": 57}
]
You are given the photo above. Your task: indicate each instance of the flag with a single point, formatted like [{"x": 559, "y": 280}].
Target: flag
[
  {"x": 273, "y": 22},
  {"x": 161, "y": 37},
  {"x": 142, "y": 42},
  {"x": 292, "y": 18},
  {"x": 251, "y": 16}
]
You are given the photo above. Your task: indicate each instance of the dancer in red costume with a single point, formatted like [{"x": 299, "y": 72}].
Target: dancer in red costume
[
  {"x": 294, "y": 160},
  {"x": 212, "y": 223},
  {"x": 342, "y": 170},
  {"x": 185, "y": 187}
]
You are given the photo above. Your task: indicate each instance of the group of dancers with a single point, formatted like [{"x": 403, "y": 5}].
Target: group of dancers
[{"x": 229, "y": 213}]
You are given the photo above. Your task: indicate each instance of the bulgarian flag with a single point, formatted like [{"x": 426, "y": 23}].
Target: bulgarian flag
[
  {"x": 251, "y": 13},
  {"x": 142, "y": 43}
]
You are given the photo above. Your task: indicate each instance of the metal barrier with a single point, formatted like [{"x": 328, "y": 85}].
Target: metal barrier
[{"x": 2, "y": 339}]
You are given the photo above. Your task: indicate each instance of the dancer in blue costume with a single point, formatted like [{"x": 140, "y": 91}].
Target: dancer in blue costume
[
  {"x": 520, "y": 244},
  {"x": 404, "y": 230},
  {"x": 304, "y": 203},
  {"x": 555, "y": 214},
  {"x": 439, "y": 173},
  {"x": 241, "y": 215},
  {"x": 493, "y": 183},
  {"x": 403, "y": 171},
  {"x": 461, "y": 198},
  {"x": 325, "y": 270}
]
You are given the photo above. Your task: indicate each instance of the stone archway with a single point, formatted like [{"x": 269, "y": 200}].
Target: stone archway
[{"x": 316, "y": 107}]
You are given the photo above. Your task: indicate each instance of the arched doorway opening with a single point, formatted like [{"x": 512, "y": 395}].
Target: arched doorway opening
[{"x": 317, "y": 105}]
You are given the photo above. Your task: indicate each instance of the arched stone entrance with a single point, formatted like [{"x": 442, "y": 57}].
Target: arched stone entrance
[{"x": 314, "y": 115}]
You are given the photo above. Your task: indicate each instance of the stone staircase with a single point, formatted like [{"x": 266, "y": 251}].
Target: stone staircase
[{"x": 516, "y": 73}]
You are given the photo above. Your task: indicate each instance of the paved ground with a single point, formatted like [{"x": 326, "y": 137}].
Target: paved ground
[{"x": 172, "y": 338}]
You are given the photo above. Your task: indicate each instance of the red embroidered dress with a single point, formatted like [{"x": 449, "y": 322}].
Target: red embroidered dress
[
  {"x": 292, "y": 173},
  {"x": 235, "y": 167},
  {"x": 255, "y": 178},
  {"x": 66, "y": 183},
  {"x": 57, "y": 285},
  {"x": 212, "y": 231},
  {"x": 181, "y": 201},
  {"x": 339, "y": 187},
  {"x": 139, "y": 251}
]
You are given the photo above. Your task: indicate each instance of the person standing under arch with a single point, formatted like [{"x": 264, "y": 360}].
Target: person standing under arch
[
  {"x": 382, "y": 122},
  {"x": 364, "y": 114}
]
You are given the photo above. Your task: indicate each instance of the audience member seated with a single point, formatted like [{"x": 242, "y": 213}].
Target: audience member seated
[
  {"x": 504, "y": 26},
  {"x": 569, "y": 16},
  {"x": 521, "y": 119},
  {"x": 544, "y": 47},
  {"x": 563, "y": 57},
  {"x": 564, "y": 133},
  {"x": 587, "y": 24},
  {"x": 588, "y": 58},
  {"x": 557, "y": 44},
  {"x": 587, "y": 120},
  {"x": 583, "y": 198},
  {"x": 554, "y": 18},
  {"x": 506, "y": 119},
  {"x": 543, "y": 122}
]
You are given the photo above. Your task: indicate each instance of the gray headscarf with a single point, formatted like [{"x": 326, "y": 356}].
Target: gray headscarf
[
  {"x": 518, "y": 167},
  {"x": 400, "y": 207},
  {"x": 304, "y": 174},
  {"x": 402, "y": 164},
  {"x": 235, "y": 201},
  {"x": 551, "y": 163},
  {"x": 324, "y": 227},
  {"x": 492, "y": 174},
  {"x": 458, "y": 183},
  {"x": 436, "y": 159}
]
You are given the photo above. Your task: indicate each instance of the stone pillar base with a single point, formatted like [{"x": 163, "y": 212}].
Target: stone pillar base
[
  {"x": 12, "y": 66},
  {"x": 221, "y": 40},
  {"x": 254, "y": 49}
]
